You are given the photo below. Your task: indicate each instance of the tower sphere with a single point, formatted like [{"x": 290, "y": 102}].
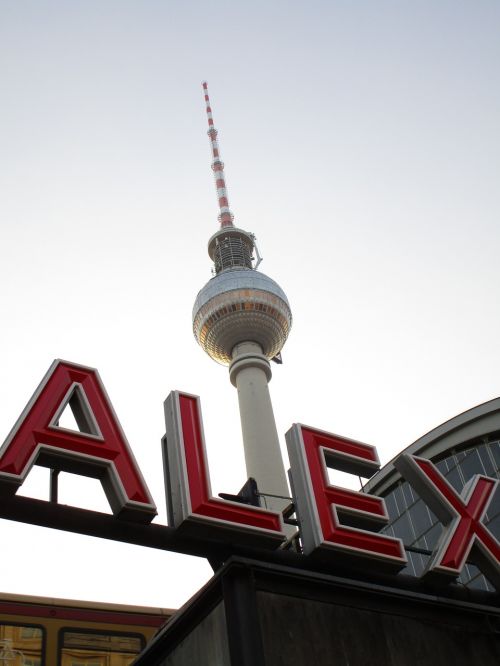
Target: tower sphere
[{"x": 241, "y": 305}]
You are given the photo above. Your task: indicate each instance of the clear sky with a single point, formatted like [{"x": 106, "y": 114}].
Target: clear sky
[{"x": 362, "y": 148}]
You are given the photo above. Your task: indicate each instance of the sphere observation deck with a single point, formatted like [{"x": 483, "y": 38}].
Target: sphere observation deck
[{"x": 241, "y": 305}]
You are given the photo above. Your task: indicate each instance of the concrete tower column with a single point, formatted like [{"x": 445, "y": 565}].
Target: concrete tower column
[{"x": 250, "y": 372}]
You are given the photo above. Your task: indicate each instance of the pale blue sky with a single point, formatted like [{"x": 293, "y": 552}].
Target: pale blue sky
[{"x": 362, "y": 148}]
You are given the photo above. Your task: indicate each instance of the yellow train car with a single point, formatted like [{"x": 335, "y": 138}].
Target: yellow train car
[{"x": 39, "y": 631}]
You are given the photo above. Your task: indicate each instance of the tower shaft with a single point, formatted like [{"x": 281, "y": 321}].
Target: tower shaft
[{"x": 250, "y": 373}]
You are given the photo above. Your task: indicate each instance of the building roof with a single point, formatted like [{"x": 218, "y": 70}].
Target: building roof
[{"x": 473, "y": 424}]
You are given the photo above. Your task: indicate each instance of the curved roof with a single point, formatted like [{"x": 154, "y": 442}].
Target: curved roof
[{"x": 474, "y": 423}]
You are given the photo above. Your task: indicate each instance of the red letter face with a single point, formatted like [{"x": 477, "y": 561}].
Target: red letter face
[
  {"x": 464, "y": 537},
  {"x": 189, "y": 497},
  {"x": 101, "y": 451},
  {"x": 321, "y": 505}
]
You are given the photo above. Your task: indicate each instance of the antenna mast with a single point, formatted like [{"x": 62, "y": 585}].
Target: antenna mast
[{"x": 225, "y": 216}]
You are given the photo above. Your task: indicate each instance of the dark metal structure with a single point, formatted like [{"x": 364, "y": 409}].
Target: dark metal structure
[{"x": 257, "y": 614}]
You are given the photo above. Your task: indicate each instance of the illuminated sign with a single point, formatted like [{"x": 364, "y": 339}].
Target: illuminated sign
[
  {"x": 322, "y": 505},
  {"x": 100, "y": 450},
  {"x": 189, "y": 498},
  {"x": 336, "y": 524},
  {"x": 465, "y": 537}
]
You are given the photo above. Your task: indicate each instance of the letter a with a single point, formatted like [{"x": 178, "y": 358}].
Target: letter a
[{"x": 100, "y": 450}]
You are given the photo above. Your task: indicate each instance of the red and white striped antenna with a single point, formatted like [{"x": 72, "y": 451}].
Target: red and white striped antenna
[{"x": 225, "y": 216}]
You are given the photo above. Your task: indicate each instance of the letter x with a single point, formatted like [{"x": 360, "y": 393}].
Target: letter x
[{"x": 465, "y": 537}]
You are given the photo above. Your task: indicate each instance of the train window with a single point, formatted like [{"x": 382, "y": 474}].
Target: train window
[
  {"x": 96, "y": 648},
  {"x": 29, "y": 632},
  {"x": 21, "y": 644}
]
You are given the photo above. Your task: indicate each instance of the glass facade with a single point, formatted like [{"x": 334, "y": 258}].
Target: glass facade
[{"x": 413, "y": 522}]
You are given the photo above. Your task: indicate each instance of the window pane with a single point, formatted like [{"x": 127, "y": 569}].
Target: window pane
[
  {"x": 409, "y": 570},
  {"x": 480, "y": 583},
  {"x": 432, "y": 536},
  {"x": 403, "y": 529},
  {"x": 495, "y": 449},
  {"x": 419, "y": 563},
  {"x": 20, "y": 644},
  {"x": 391, "y": 506},
  {"x": 387, "y": 530},
  {"x": 487, "y": 461},
  {"x": 443, "y": 466},
  {"x": 494, "y": 527},
  {"x": 453, "y": 478},
  {"x": 398, "y": 496},
  {"x": 407, "y": 494},
  {"x": 471, "y": 465},
  {"x": 420, "y": 518},
  {"x": 468, "y": 572},
  {"x": 81, "y": 648},
  {"x": 494, "y": 507}
]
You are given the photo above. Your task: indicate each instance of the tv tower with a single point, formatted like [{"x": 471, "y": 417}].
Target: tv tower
[{"x": 242, "y": 318}]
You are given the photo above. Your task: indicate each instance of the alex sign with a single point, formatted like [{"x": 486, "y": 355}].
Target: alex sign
[{"x": 334, "y": 522}]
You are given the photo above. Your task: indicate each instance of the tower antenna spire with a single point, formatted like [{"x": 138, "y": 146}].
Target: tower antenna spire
[{"x": 225, "y": 216}]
